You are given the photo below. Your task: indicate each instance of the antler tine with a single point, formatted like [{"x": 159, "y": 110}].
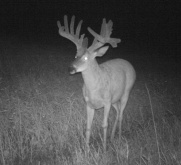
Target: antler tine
[
  {"x": 78, "y": 28},
  {"x": 103, "y": 28},
  {"x": 72, "y": 25},
  {"x": 64, "y": 32},
  {"x": 66, "y": 24},
  {"x": 104, "y": 37}
]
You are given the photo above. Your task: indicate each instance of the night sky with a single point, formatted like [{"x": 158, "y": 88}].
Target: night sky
[{"x": 151, "y": 25}]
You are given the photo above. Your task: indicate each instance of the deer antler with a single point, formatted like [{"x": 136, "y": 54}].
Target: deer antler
[
  {"x": 104, "y": 37},
  {"x": 79, "y": 41}
]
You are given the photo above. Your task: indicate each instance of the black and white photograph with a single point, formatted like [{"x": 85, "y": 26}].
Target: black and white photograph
[{"x": 90, "y": 82}]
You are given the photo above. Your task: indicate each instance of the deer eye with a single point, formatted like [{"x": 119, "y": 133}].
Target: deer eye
[{"x": 85, "y": 58}]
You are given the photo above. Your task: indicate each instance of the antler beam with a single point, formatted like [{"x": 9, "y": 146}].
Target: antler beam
[
  {"x": 69, "y": 34},
  {"x": 104, "y": 37}
]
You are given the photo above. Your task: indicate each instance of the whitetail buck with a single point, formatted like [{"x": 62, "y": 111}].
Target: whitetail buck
[{"x": 106, "y": 84}]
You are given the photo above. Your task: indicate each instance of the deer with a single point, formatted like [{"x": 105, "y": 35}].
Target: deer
[{"x": 105, "y": 85}]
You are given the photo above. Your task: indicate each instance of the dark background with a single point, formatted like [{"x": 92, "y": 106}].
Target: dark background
[{"x": 148, "y": 26}]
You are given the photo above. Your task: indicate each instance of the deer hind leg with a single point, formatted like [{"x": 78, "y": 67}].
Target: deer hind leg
[
  {"x": 116, "y": 106},
  {"x": 105, "y": 122},
  {"x": 123, "y": 103},
  {"x": 90, "y": 116}
]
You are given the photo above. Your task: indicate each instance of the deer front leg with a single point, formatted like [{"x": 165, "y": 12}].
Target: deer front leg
[
  {"x": 105, "y": 122},
  {"x": 90, "y": 116}
]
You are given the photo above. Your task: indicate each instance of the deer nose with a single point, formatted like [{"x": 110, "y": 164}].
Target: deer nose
[{"x": 72, "y": 69}]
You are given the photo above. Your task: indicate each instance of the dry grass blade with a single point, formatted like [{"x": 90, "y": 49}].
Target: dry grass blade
[{"x": 154, "y": 124}]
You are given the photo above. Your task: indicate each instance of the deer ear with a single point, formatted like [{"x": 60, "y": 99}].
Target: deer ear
[{"x": 100, "y": 52}]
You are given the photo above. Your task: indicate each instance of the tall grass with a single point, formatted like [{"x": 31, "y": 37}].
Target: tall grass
[{"x": 43, "y": 117}]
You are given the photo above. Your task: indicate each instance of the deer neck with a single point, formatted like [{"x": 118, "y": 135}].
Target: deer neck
[{"x": 92, "y": 75}]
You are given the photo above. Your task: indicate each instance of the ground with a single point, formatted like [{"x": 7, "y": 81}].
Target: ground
[{"x": 43, "y": 117}]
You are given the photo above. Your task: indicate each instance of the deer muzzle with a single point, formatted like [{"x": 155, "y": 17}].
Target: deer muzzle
[{"x": 72, "y": 69}]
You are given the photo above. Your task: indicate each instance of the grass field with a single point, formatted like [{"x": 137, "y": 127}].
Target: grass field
[{"x": 43, "y": 117}]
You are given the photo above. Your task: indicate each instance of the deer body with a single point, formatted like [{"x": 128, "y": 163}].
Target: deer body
[{"x": 106, "y": 84}]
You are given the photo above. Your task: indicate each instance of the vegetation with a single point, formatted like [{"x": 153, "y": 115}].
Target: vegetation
[{"x": 43, "y": 117}]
